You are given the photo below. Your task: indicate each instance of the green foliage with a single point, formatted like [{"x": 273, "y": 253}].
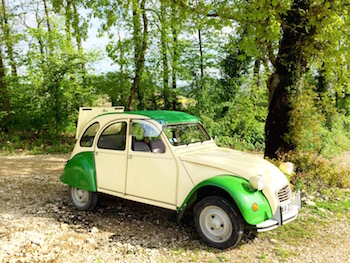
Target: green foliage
[
  {"x": 235, "y": 66},
  {"x": 316, "y": 126},
  {"x": 320, "y": 131},
  {"x": 202, "y": 52},
  {"x": 50, "y": 96},
  {"x": 35, "y": 143},
  {"x": 115, "y": 85},
  {"x": 314, "y": 173},
  {"x": 238, "y": 123},
  {"x": 51, "y": 85}
]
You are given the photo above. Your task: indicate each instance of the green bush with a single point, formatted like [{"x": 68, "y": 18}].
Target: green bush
[
  {"x": 314, "y": 172},
  {"x": 238, "y": 123},
  {"x": 27, "y": 142},
  {"x": 316, "y": 126}
]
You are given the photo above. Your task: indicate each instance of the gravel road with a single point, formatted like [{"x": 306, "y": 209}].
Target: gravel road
[{"x": 38, "y": 224}]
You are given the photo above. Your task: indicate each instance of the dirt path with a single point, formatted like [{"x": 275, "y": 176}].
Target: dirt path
[{"x": 38, "y": 224}]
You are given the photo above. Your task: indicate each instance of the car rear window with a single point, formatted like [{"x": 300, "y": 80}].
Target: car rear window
[{"x": 87, "y": 140}]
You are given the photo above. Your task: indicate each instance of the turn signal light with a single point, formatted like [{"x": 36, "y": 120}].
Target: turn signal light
[{"x": 255, "y": 207}]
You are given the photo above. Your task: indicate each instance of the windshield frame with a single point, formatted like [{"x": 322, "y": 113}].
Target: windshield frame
[{"x": 176, "y": 141}]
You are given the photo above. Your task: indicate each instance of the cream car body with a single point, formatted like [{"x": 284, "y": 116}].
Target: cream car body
[{"x": 174, "y": 175}]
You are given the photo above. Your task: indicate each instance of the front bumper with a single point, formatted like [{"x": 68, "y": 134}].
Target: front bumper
[{"x": 280, "y": 218}]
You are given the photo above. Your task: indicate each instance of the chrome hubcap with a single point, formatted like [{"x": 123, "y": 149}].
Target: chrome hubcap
[
  {"x": 215, "y": 224},
  {"x": 80, "y": 196}
]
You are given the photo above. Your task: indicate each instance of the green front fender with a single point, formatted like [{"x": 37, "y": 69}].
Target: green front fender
[
  {"x": 80, "y": 172},
  {"x": 242, "y": 193}
]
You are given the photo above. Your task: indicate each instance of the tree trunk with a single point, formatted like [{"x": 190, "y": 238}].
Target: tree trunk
[
  {"x": 68, "y": 17},
  {"x": 278, "y": 117},
  {"x": 163, "y": 41},
  {"x": 140, "y": 51},
  {"x": 257, "y": 65},
  {"x": 121, "y": 54},
  {"x": 50, "y": 47},
  {"x": 47, "y": 17},
  {"x": 175, "y": 54},
  {"x": 78, "y": 38},
  {"x": 4, "y": 97},
  {"x": 322, "y": 84},
  {"x": 289, "y": 67},
  {"x": 253, "y": 89},
  {"x": 8, "y": 39},
  {"x": 40, "y": 41},
  {"x": 174, "y": 69},
  {"x": 201, "y": 59}
]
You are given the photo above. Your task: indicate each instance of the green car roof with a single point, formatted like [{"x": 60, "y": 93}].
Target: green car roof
[{"x": 170, "y": 117}]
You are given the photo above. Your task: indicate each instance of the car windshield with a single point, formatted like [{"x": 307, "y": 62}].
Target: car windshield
[{"x": 184, "y": 134}]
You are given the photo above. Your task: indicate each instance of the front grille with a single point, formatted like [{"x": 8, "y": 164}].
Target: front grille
[{"x": 284, "y": 193}]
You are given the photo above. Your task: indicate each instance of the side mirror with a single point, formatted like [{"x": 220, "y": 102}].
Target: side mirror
[{"x": 215, "y": 138}]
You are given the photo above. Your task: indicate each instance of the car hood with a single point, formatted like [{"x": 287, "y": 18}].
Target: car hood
[{"x": 227, "y": 161}]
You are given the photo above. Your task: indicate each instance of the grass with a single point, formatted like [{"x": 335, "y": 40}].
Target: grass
[
  {"x": 27, "y": 143},
  {"x": 283, "y": 253},
  {"x": 331, "y": 204},
  {"x": 179, "y": 251},
  {"x": 292, "y": 233},
  {"x": 222, "y": 259}
]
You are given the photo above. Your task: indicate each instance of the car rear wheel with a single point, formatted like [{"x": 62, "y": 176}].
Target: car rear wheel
[
  {"x": 218, "y": 222},
  {"x": 82, "y": 199}
]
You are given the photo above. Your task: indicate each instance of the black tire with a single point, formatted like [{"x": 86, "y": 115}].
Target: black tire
[
  {"x": 218, "y": 222},
  {"x": 82, "y": 199}
]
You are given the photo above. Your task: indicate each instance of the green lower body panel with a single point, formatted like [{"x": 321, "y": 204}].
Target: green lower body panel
[
  {"x": 80, "y": 172},
  {"x": 244, "y": 195}
]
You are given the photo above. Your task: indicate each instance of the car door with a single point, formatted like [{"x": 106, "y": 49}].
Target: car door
[
  {"x": 151, "y": 168},
  {"x": 110, "y": 158}
]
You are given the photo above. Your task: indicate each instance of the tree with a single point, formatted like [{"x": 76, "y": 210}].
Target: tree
[
  {"x": 235, "y": 68},
  {"x": 80, "y": 33},
  {"x": 301, "y": 43},
  {"x": 8, "y": 38},
  {"x": 140, "y": 41},
  {"x": 164, "y": 51},
  {"x": 296, "y": 36},
  {"x": 5, "y": 108},
  {"x": 117, "y": 14},
  {"x": 175, "y": 51}
]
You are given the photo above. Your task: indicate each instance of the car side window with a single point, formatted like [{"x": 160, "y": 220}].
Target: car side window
[
  {"x": 146, "y": 138},
  {"x": 88, "y": 137},
  {"x": 113, "y": 137}
]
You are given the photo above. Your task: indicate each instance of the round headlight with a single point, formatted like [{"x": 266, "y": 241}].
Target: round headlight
[
  {"x": 258, "y": 182},
  {"x": 287, "y": 168}
]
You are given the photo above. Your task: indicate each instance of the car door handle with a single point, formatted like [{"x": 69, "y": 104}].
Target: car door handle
[
  {"x": 130, "y": 156},
  {"x": 96, "y": 153}
]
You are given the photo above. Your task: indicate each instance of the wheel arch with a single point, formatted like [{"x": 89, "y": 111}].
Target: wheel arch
[
  {"x": 80, "y": 172},
  {"x": 235, "y": 190}
]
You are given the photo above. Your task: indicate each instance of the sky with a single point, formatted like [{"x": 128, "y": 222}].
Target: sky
[{"x": 94, "y": 40}]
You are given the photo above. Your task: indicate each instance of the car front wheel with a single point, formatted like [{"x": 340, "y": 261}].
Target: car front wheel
[
  {"x": 218, "y": 222},
  {"x": 82, "y": 199}
]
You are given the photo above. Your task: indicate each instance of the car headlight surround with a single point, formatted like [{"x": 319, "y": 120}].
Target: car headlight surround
[
  {"x": 287, "y": 168},
  {"x": 258, "y": 182}
]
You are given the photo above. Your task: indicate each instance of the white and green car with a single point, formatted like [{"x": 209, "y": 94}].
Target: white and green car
[{"x": 167, "y": 159}]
